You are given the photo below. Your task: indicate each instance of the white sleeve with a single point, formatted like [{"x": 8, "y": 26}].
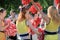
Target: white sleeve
[
  {"x": 32, "y": 27},
  {"x": 27, "y": 22}
]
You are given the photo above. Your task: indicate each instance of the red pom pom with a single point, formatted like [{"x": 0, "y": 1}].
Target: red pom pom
[
  {"x": 25, "y": 2},
  {"x": 40, "y": 30},
  {"x": 56, "y": 2},
  {"x": 59, "y": 6},
  {"x": 8, "y": 20},
  {"x": 38, "y": 4},
  {"x": 36, "y": 22},
  {"x": 33, "y": 10}
]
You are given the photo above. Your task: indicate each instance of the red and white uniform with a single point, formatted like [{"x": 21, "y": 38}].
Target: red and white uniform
[{"x": 35, "y": 24}]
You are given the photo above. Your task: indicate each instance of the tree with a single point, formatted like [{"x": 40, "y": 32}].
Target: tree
[{"x": 14, "y": 4}]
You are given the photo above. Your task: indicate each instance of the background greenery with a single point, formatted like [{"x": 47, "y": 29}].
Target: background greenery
[{"x": 14, "y": 4}]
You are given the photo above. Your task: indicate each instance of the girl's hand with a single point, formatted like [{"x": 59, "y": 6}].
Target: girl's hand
[
  {"x": 20, "y": 7},
  {"x": 6, "y": 26}
]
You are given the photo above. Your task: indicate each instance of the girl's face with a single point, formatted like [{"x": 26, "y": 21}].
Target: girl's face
[
  {"x": 12, "y": 13},
  {"x": 3, "y": 14}
]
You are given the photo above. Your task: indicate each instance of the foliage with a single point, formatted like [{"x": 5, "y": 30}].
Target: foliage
[{"x": 14, "y": 4}]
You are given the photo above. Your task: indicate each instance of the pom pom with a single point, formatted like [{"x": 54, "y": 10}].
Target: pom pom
[
  {"x": 56, "y": 2},
  {"x": 25, "y": 2},
  {"x": 40, "y": 30},
  {"x": 36, "y": 22},
  {"x": 33, "y": 10}
]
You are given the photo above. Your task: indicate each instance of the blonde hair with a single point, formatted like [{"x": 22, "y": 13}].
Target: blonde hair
[{"x": 52, "y": 15}]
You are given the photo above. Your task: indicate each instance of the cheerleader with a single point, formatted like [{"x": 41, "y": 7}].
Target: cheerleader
[
  {"x": 35, "y": 29},
  {"x": 36, "y": 21},
  {"x": 52, "y": 25},
  {"x": 2, "y": 24},
  {"x": 51, "y": 20},
  {"x": 13, "y": 16},
  {"x": 22, "y": 28}
]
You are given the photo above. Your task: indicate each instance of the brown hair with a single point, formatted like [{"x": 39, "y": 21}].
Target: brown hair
[
  {"x": 2, "y": 9},
  {"x": 22, "y": 14}
]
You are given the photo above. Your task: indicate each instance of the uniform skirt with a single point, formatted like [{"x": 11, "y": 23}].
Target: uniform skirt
[{"x": 51, "y": 36}]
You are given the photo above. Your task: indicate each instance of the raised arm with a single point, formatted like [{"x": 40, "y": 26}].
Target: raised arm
[
  {"x": 20, "y": 13},
  {"x": 33, "y": 29},
  {"x": 44, "y": 16}
]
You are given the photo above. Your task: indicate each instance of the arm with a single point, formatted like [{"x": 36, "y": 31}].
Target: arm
[
  {"x": 20, "y": 14},
  {"x": 45, "y": 17},
  {"x": 43, "y": 24},
  {"x": 33, "y": 29}
]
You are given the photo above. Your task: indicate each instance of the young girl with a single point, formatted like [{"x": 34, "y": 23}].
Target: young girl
[
  {"x": 35, "y": 22},
  {"x": 53, "y": 21},
  {"x": 2, "y": 24},
  {"x": 13, "y": 16},
  {"x": 22, "y": 28},
  {"x": 37, "y": 26},
  {"x": 52, "y": 24}
]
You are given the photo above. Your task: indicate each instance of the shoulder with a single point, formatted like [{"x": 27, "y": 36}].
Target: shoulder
[{"x": 10, "y": 17}]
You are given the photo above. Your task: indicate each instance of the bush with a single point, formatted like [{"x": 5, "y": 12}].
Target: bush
[{"x": 14, "y": 4}]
